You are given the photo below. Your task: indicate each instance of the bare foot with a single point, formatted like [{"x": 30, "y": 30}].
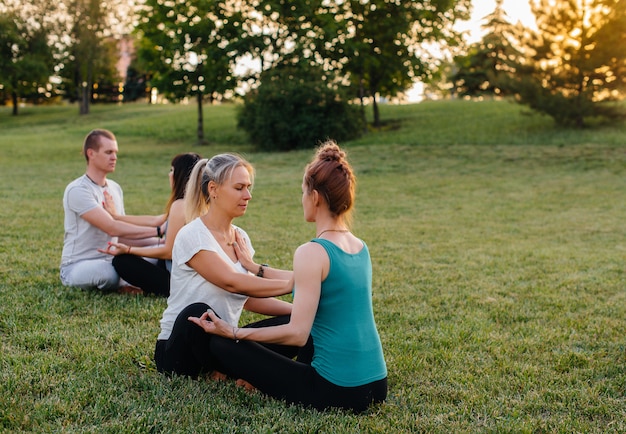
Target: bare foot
[
  {"x": 130, "y": 290},
  {"x": 217, "y": 376},
  {"x": 247, "y": 386}
]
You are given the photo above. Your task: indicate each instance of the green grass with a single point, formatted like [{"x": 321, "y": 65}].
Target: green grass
[{"x": 498, "y": 246}]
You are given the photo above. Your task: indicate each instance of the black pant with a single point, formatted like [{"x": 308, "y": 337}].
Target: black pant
[
  {"x": 187, "y": 350},
  {"x": 290, "y": 380},
  {"x": 151, "y": 278}
]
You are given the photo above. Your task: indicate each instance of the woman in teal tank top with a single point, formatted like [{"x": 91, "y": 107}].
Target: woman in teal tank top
[{"x": 342, "y": 363}]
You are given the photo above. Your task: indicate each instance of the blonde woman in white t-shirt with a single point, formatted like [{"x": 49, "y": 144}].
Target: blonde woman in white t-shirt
[{"x": 212, "y": 267}]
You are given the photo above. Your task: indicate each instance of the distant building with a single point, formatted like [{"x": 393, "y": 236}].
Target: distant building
[{"x": 127, "y": 51}]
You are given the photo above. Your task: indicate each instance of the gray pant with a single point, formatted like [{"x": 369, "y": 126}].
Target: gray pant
[{"x": 91, "y": 273}]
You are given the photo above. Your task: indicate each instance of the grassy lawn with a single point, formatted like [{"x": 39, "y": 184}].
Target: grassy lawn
[{"x": 498, "y": 245}]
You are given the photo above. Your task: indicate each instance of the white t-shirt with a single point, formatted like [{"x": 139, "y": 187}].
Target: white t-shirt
[
  {"x": 187, "y": 286},
  {"x": 82, "y": 240}
]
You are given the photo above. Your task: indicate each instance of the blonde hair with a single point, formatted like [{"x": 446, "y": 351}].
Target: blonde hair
[{"x": 218, "y": 169}]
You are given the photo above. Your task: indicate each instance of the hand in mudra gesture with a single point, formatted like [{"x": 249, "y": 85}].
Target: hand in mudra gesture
[{"x": 115, "y": 249}]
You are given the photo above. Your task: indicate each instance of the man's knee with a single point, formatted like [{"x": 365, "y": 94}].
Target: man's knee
[{"x": 92, "y": 274}]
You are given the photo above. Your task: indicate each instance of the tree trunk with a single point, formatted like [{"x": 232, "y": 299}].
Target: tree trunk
[
  {"x": 580, "y": 122},
  {"x": 362, "y": 99},
  {"x": 85, "y": 97},
  {"x": 200, "y": 120},
  {"x": 376, "y": 112},
  {"x": 15, "y": 102}
]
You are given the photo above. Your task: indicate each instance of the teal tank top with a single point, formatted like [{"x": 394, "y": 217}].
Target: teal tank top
[{"x": 347, "y": 347}]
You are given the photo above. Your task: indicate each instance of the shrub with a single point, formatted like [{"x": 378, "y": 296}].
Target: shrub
[{"x": 295, "y": 107}]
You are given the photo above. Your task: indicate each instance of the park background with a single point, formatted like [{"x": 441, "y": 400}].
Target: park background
[
  {"x": 562, "y": 58},
  {"x": 498, "y": 250},
  {"x": 496, "y": 232}
]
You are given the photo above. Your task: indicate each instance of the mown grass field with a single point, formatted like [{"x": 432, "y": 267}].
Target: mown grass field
[{"x": 498, "y": 245}]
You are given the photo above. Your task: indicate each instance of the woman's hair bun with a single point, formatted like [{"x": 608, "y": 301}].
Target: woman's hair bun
[{"x": 330, "y": 151}]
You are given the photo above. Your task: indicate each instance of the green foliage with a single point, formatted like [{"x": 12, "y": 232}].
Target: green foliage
[
  {"x": 382, "y": 43},
  {"x": 383, "y": 52},
  {"x": 26, "y": 58},
  {"x": 91, "y": 55},
  {"x": 298, "y": 31},
  {"x": 577, "y": 61},
  {"x": 136, "y": 86},
  {"x": 497, "y": 242},
  {"x": 189, "y": 47},
  {"x": 374, "y": 45},
  {"x": 296, "y": 108}
]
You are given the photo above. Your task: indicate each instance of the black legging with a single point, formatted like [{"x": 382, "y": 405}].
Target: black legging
[
  {"x": 151, "y": 278},
  {"x": 290, "y": 380},
  {"x": 187, "y": 351}
]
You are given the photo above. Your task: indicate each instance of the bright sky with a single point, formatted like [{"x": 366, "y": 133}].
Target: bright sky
[{"x": 517, "y": 10}]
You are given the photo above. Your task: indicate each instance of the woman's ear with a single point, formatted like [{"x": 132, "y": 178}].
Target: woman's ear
[
  {"x": 316, "y": 197},
  {"x": 212, "y": 189}
]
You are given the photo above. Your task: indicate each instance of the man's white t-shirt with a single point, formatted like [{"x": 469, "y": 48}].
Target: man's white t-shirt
[{"x": 82, "y": 240}]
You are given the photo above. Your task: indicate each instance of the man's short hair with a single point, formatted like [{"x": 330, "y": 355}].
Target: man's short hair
[{"x": 92, "y": 140}]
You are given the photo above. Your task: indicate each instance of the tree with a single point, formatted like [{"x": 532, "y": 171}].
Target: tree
[
  {"x": 489, "y": 62},
  {"x": 373, "y": 45},
  {"x": 576, "y": 60},
  {"x": 90, "y": 56},
  {"x": 300, "y": 96},
  {"x": 295, "y": 31},
  {"x": 136, "y": 85},
  {"x": 191, "y": 48},
  {"x": 26, "y": 59},
  {"x": 384, "y": 38}
]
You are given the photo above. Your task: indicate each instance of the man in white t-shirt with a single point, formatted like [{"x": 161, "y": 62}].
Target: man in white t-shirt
[{"x": 88, "y": 226}]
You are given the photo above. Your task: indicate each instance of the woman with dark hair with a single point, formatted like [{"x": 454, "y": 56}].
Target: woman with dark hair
[
  {"x": 332, "y": 304},
  {"x": 148, "y": 268}
]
